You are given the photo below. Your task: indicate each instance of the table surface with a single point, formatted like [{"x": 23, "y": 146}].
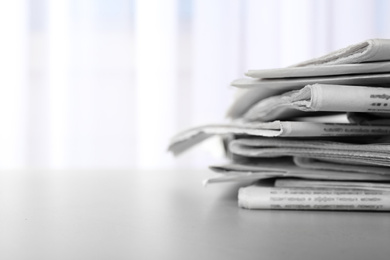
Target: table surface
[{"x": 168, "y": 215}]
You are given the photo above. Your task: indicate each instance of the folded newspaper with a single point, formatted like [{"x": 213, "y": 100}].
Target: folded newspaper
[
  {"x": 283, "y": 133},
  {"x": 321, "y": 97}
]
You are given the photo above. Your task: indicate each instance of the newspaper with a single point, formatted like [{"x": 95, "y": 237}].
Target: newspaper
[
  {"x": 282, "y": 126},
  {"x": 340, "y": 67},
  {"x": 321, "y": 70},
  {"x": 321, "y": 97},
  {"x": 260, "y": 196},
  {"x": 295, "y": 183},
  {"x": 286, "y": 169},
  {"x": 316, "y": 164},
  {"x": 185, "y": 140},
  {"x": 366, "y": 51},
  {"x": 379, "y": 79},
  {"x": 338, "y": 152}
]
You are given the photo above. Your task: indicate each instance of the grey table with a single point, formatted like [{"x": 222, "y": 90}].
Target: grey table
[{"x": 167, "y": 215}]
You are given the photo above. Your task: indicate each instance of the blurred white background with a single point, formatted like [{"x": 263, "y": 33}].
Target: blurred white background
[{"x": 95, "y": 84}]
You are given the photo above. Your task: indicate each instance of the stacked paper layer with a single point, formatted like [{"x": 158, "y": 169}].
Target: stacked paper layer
[{"x": 286, "y": 134}]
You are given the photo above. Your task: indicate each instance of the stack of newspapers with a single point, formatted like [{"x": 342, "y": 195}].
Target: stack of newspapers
[{"x": 315, "y": 135}]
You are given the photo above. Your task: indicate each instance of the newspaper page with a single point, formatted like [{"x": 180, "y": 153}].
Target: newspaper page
[
  {"x": 243, "y": 172},
  {"x": 366, "y": 51},
  {"x": 193, "y": 136},
  {"x": 371, "y": 154},
  {"x": 378, "y": 80},
  {"x": 263, "y": 197},
  {"x": 321, "y": 70},
  {"x": 324, "y": 98},
  {"x": 303, "y": 183},
  {"x": 316, "y": 164}
]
